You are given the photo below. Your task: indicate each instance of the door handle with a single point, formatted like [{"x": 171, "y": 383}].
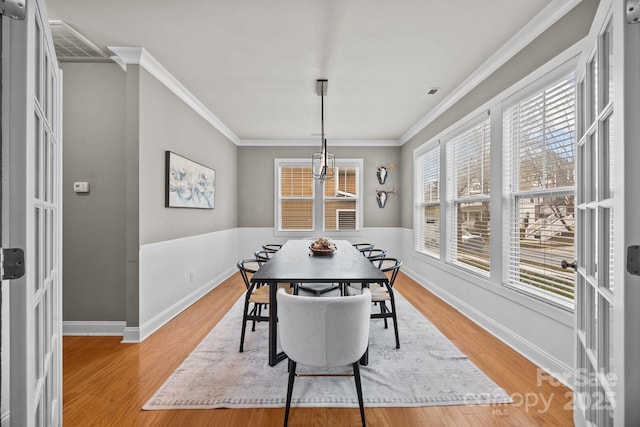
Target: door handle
[{"x": 564, "y": 264}]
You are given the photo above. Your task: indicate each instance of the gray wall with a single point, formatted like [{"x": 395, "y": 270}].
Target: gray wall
[
  {"x": 117, "y": 126},
  {"x": 256, "y": 182},
  {"x": 94, "y": 224},
  {"x": 167, "y": 123},
  {"x": 563, "y": 34}
]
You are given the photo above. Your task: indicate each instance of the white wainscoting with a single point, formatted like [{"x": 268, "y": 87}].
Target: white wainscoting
[
  {"x": 176, "y": 273},
  {"x": 540, "y": 333}
]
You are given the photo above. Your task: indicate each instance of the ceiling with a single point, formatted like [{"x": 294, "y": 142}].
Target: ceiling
[{"x": 254, "y": 63}]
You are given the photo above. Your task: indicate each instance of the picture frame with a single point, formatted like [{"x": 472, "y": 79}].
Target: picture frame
[{"x": 188, "y": 184}]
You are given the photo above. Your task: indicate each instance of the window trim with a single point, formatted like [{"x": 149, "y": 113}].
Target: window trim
[
  {"x": 419, "y": 205},
  {"x": 318, "y": 200},
  {"x": 511, "y": 195}
]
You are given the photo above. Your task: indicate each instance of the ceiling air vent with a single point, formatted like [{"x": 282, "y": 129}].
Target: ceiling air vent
[{"x": 71, "y": 46}]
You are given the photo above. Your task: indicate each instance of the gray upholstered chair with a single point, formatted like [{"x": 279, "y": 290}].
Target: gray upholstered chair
[{"x": 333, "y": 343}]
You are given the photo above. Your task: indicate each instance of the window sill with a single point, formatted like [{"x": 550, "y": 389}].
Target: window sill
[{"x": 553, "y": 311}]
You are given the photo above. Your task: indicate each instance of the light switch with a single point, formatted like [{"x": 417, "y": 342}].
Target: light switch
[{"x": 81, "y": 187}]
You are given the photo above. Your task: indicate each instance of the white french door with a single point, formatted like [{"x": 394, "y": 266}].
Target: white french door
[
  {"x": 607, "y": 385},
  {"x": 31, "y": 216}
]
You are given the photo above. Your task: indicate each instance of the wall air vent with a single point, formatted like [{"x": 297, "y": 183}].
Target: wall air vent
[{"x": 71, "y": 46}]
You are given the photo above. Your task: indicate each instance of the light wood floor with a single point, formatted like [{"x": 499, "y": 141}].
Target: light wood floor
[{"x": 106, "y": 382}]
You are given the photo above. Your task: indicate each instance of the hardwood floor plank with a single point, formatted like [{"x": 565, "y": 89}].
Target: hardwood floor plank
[{"x": 105, "y": 383}]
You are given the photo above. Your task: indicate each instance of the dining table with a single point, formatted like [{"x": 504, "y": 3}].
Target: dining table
[{"x": 296, "y": 263}]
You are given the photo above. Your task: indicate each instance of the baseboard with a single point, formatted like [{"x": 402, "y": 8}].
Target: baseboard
[
  {"x": 131, "y": 335},
  {"x": 140, "y": 334},
  {"x": 534, "y": 354},
  {"x": 93, "y": 328}
]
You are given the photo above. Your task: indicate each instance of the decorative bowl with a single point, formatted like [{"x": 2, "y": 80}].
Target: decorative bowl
[{"x": 322, "y": 251}]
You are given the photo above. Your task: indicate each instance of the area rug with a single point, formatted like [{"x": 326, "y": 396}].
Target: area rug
[{"x": 427, "y": 370}]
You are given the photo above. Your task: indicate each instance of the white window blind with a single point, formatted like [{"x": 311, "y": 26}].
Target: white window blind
[
  {"x": 468, "y": 191},
  {"x": 428, "y": 202},
  {"x": 539, "y": 179}
]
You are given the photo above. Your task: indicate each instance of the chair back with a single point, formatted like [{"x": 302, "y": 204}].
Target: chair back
[
  {"x": 271, "y": 247},
  {"x": 263, "y": 255},
  {"x": 324, "y": 331},
  {"x": 362, "y": 246},
  {"x": 374, "y": 254},
  {"x": 247, "y": 267},
  {"x": 389, "y": 266}
]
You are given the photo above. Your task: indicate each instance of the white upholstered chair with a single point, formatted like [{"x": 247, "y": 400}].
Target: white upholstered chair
[{"x": 324, "y": 332}]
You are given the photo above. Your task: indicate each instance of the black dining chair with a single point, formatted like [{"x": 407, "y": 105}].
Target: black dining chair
[
  {"x": 317, "y": 288},
  {"x": 382, "y": 293},
  {"x": 256, "y": 297}
]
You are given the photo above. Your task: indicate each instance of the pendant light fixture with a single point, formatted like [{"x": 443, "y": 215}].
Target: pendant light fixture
[{"x": 322, "y": 163}]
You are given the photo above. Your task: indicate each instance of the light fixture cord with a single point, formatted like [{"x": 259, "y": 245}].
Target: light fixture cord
[{"x": 322, "y": 114}]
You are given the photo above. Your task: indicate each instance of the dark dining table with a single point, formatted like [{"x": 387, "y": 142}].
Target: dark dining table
[{"x": 295, "y": 263}]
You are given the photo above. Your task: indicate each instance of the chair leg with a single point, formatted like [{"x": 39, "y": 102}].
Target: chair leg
[
  {"x": 292, "y": 376},
  {"x": 244, "y": 323},
  {"x": 258, "y": 312},
  {"x": 395, "y": 319},
  {"x": 356, "y": 376},
  {"x": 383, "y": 309}
]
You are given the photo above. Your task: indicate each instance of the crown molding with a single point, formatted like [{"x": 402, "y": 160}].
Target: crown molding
[
  {"x": 139, "y": 56},
  {"x": 534, "y": 28},
  {"x": 316, "y": 142},
  {"x": 540, "y": 23}
]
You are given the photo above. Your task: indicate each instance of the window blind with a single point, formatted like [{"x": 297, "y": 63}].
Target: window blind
[
  {"x": 296, "y": 191},
  {"x": 539, "y": 177},
  {"x": 302, "y": 205},
  {"x": 468, "y": 191},
  {"x": 428, "y": 202}
]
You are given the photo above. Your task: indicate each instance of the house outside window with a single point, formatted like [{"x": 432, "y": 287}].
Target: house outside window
[
  {"x": 468, "y": 192},
  {"x": 304, "y": 205},
  {"x": 427, "y": 213},
  {"x": 526, "y": 183},
  {"x": 539, "y": 192}
]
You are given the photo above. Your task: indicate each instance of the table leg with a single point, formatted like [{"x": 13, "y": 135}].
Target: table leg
[
  {"x": 273, "y": 325},
  {"x": 274, "y": 356}
]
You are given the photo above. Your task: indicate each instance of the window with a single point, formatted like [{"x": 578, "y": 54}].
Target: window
[
  {"x": 539, "y": 177},
  {"x": 341, "y": 199},
  {"x": 427, "y": 215},
  {"x": 525, "y": 186},
  {"x": 468, "y": 191},
  {"x": 305, "y": 205}
]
